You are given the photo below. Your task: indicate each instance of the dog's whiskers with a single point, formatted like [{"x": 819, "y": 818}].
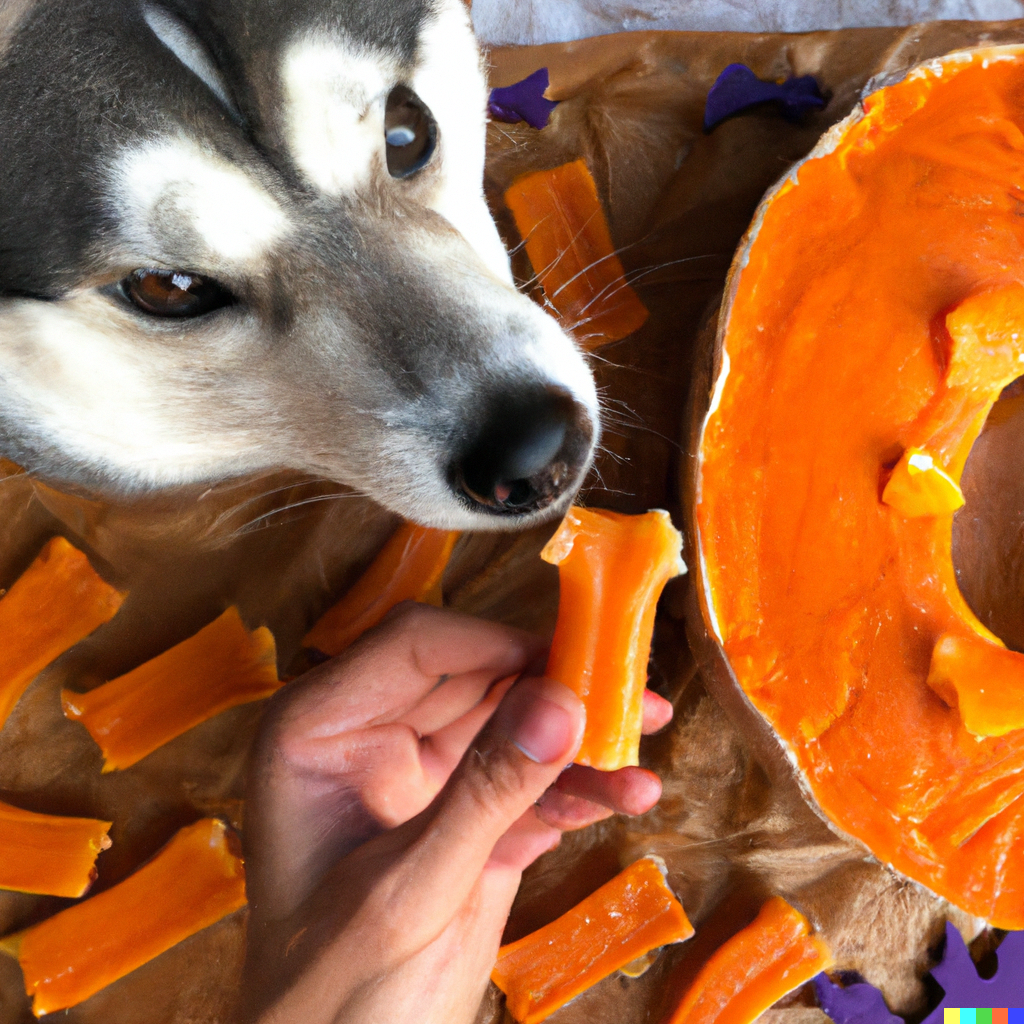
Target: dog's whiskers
[
  {"x": 627, "y": 282},
  {"x": 618, "y": 251},
  {"x": 253, "y": 499},
  {"x": 254, "y": 524},
  {"x": 553, "y": 263},
  {"x": 613, "y": 455}
]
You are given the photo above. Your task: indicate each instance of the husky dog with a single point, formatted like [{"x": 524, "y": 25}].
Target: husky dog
[{"x": 242, "y": 234}]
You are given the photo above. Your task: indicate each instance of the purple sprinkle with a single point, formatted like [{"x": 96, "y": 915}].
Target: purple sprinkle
[
  {"x": 962, "y": 984},
  {"x": 858, "y": 1003},
  {"x": 737, "y": 89},
  {"x": 861, "y": 1003},
  {"x": 523, "y": 101}
]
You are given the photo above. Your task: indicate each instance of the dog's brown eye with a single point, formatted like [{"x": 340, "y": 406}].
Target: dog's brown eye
[
  {"x": 174, "y": 293},
  {"x": 409, "y": 131}
]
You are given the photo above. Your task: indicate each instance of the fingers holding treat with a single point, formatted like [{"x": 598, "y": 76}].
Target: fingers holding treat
[
  {"x": 440, "y": 883},
  {"x": 365, "y": 742},
  {"x": 487, "y": 809},
  {"x": 391, "y": 671},
  {"x": 441, "y": 750},
  {"x": 582, "y": 795},
  {"x": 657, "y": 713}
]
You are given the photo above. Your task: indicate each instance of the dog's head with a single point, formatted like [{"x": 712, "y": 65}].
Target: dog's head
[{"x": 237, "y": 234}]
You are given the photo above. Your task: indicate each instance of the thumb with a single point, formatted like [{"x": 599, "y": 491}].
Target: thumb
[{"x": 535, "y": 732}]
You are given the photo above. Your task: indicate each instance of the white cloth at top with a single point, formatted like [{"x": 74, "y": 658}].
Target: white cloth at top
[{"x": 549, "y": 21}]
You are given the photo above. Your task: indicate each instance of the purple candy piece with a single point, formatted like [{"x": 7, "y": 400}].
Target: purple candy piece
[
  {"x": 523, "y": 101},
  {"x": 862, "y": 1003},
  {"x": 964, "y": 987},
  {"x": 859, "y": 1003},
  {"x": 737, "y": 88}
]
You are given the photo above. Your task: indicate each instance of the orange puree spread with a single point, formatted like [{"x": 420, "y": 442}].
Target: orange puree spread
[{"x": 871, "y": 321}]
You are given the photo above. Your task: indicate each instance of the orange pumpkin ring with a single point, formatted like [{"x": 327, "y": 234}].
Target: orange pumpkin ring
[{"x": 872, "y": 316}]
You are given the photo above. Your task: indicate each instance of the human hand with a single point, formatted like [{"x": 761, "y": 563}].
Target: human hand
[{"x": 382, "y": 859}]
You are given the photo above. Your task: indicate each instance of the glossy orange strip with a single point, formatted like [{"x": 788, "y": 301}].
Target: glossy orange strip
[
  {"x": 627, "y": 917},
  {"x": 49, "y": 854},
  {"x": 408, "y": 568},
  {"x": 194, "y": 881},
  {"x": 563, "y": 226},
  {"x": 611, "y": 570},
  {"x": 222, "y": 666},
  {"x": 755, "y": 968},
  {"x": 56, "y": 602}
]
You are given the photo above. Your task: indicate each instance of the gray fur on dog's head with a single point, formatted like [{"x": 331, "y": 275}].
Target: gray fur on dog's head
[{"x": 373, "y": 334}]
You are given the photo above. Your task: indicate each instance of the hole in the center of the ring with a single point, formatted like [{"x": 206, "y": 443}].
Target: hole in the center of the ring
[{"x": 988, "y": 532}]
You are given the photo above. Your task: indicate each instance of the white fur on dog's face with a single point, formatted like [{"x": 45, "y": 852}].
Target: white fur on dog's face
[
  {"x": 374, "y": 315},
  {"x": 181, "y": 205},
  {"x": 334, "y": 92},
  {"x": 454, "y": 92},
  {"x": 86, "y": 379}
]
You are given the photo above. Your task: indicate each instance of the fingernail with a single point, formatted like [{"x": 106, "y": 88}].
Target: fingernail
[{"x": 542, "y": 730}]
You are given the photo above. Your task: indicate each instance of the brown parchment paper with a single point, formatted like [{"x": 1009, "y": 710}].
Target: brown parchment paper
[{"x": 282, "y": 548}]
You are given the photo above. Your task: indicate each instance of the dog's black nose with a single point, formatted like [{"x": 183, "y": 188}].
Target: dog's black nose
[{"x": 532, "y": 447}]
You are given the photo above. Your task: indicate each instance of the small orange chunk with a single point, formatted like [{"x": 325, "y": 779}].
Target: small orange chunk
[
  {"x": 563, "y": 226},
  {"x": 920, "y": 487},
  {"x": 611, "y": 570},
  {"x": 755, "y": 968},
  {"x": 983, "y": 679},
  {"x": 47, "y": 853},
  {"x": 57, "y": 601},
  {"x": 627, "y": 917},
  {"x": 222, "y": 666},
  {"x": 408, "y": 568},
  {"x": 194, "y": 881}
]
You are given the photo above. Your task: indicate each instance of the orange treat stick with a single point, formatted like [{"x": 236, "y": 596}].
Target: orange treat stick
[
  {"x": 194, "y": 881},
  {"x": 57, "y": 601},
  {"x": 49, "y": 854},
  {"x": 408, "y": 568},
  {"x": 627, "y": 917},
  {"x": 221, "y": 666},
  {"x": 563, "y": 227},
  {"x": 755, "y": 968},
  {"x": 611, "y": 570}
]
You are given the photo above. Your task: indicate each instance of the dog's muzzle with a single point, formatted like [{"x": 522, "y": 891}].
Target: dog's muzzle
[{"x": 531, "y": 450}]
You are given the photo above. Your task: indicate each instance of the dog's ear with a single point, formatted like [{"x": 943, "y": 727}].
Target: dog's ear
[
  {"x": 12, "y": 13},
  {"x": 182, "y": 40}
]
